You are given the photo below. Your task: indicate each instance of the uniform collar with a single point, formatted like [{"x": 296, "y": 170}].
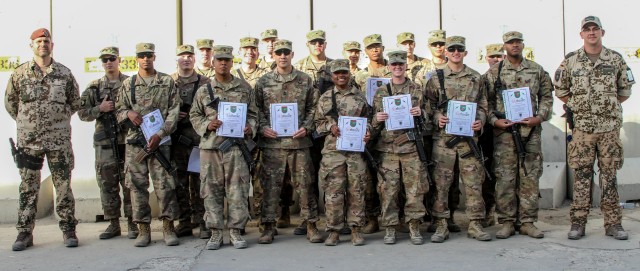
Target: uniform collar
[
  {"x": 232, "y": 84},
  {"x": 448, "y": 71}
]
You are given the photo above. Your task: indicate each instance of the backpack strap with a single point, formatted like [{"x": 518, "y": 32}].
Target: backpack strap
[{"x": 133, "y": 89}]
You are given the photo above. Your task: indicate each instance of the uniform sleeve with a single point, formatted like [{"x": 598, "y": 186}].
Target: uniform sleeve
[
  {"x": 171, "y": 122},
  {"x": 488, "y": 81},
  {"x": 12, "y": 96},
  {"x": 432, "y": 98},
  {"x": 123, "y": 104},
  {"x": 252, "y": 112},
  {"x": 310, "y": 107},
  {"x": 89, "y": 111},
  {"x": 324, "y": 122},
  {"x": 483, "y": 105},
  {"x": 377, "y": 107},
  {"x": 264, "y": 115},
  {"x": 625, "y": 79},
  {"x": 562, "y": 80},
  {"x": 73, "y": 95},
  {"x": 197, "y": 116},
  {"x": 545, "y": 104}
]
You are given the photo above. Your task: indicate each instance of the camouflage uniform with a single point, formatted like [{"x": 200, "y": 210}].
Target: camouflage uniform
[
  {"x": 362, "y": 75},
  {"x": 42, "y": 106},
  {"x": 209, "y": 73},
  {"x": 342, "y": 174},
  {"x": 251, "y": 77},
  {"x": 161, "y": 93},
  {"x": 223, "y": 175},
  {"x": 109, "y": 172},
  {"x": 184, "y": 139},
  {"x": 517, "y": 193},
  {"x": 593, "y": 90}
]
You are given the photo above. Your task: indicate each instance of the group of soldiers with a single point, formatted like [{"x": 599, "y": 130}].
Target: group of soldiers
[{"x": 403, "y": 179}]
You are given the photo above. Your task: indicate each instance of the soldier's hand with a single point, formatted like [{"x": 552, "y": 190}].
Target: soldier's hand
[
  {"x": 214, "y": 125},
  {"x": 476, "y": 126},
  {"x": 269, "y": 133},
  {"x": 182, "y": 115},
  {"x": 442, "y": 121},
  {"x": 154, "y": 142},
  {"x": 302, "y": 132},
  {"x": 106, "y": 106},
  {"x": 415, "y": 111},
  {"x": 247, "y": 130},
  {"x": 382, "y": 116},
  {"x": 503, "y": 123},
  {"x": 134, "y": 117},
  {"x": 367, "y": 136},
  {"x": 335, "y": 130},
  {"x": 532, "y": 121}
]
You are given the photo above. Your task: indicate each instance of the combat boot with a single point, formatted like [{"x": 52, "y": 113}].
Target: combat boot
[
  {"x": 451, "y": 224},
  {"x": 169, "y": 232},
  {"x": 301, "y": 229},
  {"x": 356, "y": 236},
  {"x": 215, "y": 241},
  {"x": 70, "y": 238},
  {"x": 345, "y": 229},
  {"x": 576, "y": 232},
  {"x": 267, "y": 234},
  {"x": 475, "y": 231},
  {"x": 529, "y": 229},
  {"x": 285, "y": 219},
  {"x": 24, "y": 240},
  {"x": 617, "y": 232},
  {"x": 442, "y": 231},
  {"x": 414, "y": 232},
  {"x": 372, "y": 225},
  {"x": 236, "y": 239},
  {"x": 112, "y": 230},
  {"x": 313, "y": 235},
  {"x": 132, "y": 229},
  {"x": 183, "y": 229},
  {"x": 144, "y": 237},
  {"x": 506, "y": 231},
  {"x": 205, "y": 233},
  {"x": 390, "y": 235},
  {"x": 333, "y": 239}
]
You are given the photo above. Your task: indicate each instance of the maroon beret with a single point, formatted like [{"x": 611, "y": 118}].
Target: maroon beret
[{"x": 40, "y": 32}]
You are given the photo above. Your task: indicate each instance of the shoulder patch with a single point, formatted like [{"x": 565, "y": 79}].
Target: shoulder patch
[
  {"x": 558, "y": 75},
  {"x": 630, "y": 76},
  {"x": 569, "y": 55}
]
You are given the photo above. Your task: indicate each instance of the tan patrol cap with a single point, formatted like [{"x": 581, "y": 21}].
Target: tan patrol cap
[
  {"x": 591, "y": 20},
  {"x": 372, "y": 39},
  {"x": 495, "y": 49},
  {"x": 248, "y": 42},
  {"x": 339, "y": 65},
  {"x": 282, "y": 44},
  {"x": 351, "y": 45},
  {"x": 145, "y": 48},
  {"x": 437, "y": 36},
  {"x": 204, "y": 43},
  {"x": 223, "y": 51},
  {"x": 455, "y": 40},
  {"x": 316, "y": 35},
  {"x": 109, "y": 51},
  {"x": 184, "y": 49},
  {"x": 512, "y": 35},
  {"x": 405, "y": 36},
  {"x": 269, "y": 33},
  {"x": 398, "y": 56}
]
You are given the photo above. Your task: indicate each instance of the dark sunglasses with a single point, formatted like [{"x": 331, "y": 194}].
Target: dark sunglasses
[
  {"x": 455, "y": 48},
  {"x": 283, "y": 51},
  {"x": 437, "y": 44},
  {"x": 107, "y": 59},
  {"x": 143, "y": 55},
  {"x": 317, "y": 42}
]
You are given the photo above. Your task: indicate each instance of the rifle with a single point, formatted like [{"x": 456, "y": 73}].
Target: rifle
[
  {"x": 245, "y": 149},
  {"x": 517, "y": 140},
  {"x": 568, "y": 113},
  {"x": 141, "y": 142},
  {"x": 111, "y": 127}
]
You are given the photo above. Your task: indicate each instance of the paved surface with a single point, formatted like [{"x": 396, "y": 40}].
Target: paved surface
[{"x": 289, "y": 252}]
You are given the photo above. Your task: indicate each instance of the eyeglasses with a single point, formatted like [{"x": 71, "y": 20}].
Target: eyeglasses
[
  {"x": 437, "y": 44},
  {"x": 107, "y": 59},
  {"x": 455, "y": 48},
  {"x": 283, "y": 51},
  {"x": 144, "y": 55},
  {"x": 317, "y": 42}
]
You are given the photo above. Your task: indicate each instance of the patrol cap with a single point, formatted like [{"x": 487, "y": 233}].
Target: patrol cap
[
  {"x": 455, "y": 40},
  {"x": 512, "y": 35},
  {"x": 495, "y": 49},
  {"x": 204, "y": 43},
  {"x": 437, "y": 36},
  {"x": 405, "y": 36},
  {"x": 269, "y": 33},
  {"x": 39, "y": 33},
  {"x": 145, "y": 48},
  {"x": 109, "y": 51},
  {"x": 222, "y": 51},
  {"x": 398, "y": 56},
  {"x": 372, "y": 39},
  {"x": 316, "y": 35},
  {"x": 339, "y": 65},
  {"x": 351, "y": 45},
  {"x": 282, "y": 44},
  {"x": 591, "y": 19},
  {"x": 248, "y": 42},
  {"x": 184, "y": 49}
]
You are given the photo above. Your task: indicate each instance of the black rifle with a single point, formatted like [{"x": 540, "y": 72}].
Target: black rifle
[
  {"x": 245, "y": 149},
  {"x": 141, "y": 142},
  {"x": 568, "y": 113},
  {"x": 517, "y": 140},
  {"x": 111, "y": 127}
]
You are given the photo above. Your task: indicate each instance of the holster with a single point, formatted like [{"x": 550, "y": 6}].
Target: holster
[{"x": 24, "y": 160}]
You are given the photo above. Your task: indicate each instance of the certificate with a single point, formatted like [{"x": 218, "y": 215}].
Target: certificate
[
  {"x": 151, "y": 124},
  {"x": 398, "y": 109},
  {"x": 194, "y": 160},
  {"x": 234, "y": 119},
  {"x": 517, "y": 103},
  {"x": 352, "y": 131},
  {"x": 284, "y": 118},
  {"x": 461, "y": 117},
  {"x": 374, "y": 83}
]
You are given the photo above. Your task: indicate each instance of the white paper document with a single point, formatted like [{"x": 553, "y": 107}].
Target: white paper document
[
  {"x": 234, "y": 119},
  {"x": 374, "y": 83},
  {"x": 194, "y": 161},
  {"x": 284, "y": 118},
  {"x": 517, "y": 103},
  {"x": 151, "y": 124},
  {"x": 461, "y": 117},
  {"x": 398, "y": 109},
  {"x": 352, "y": 132}
]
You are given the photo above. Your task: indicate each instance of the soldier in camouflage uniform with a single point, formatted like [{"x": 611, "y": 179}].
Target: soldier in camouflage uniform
[
  {"x": 268, "y": 37},
  {"x": 184, "y": 139},
  {"x": 461, "y": 83},
  {"x": 415, "y": 63},
  {"x": 342, "y": 174},
  {"x": 517, "y": 185},
  {"x": 438, "y": 60},
  {"x": 98, "y": 103},
  {"x": 204, "y": 66},
  {"x": 152, "y": 90},
  {"x": 351, "y": 51},
  {"x": 41, "y": 96},
  {"x": 593, "y": 82},
  {"x": 401, "y": 170},
  {"x": 225, "y": 173},
  {"x": 287, "y": 154},
  {"x": 494, "y": 53}
]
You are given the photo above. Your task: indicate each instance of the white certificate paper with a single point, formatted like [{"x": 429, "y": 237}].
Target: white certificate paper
[
  {"x": 234, "y": 119},
  {"x": 284, "y": 118},
  {"x": 151, "y": 124},
  {"x": 517, "y": 103},
  {"x": 374, "y": 83},
  {"x": 194, "y": 160},
  {"x": 398, "y": 109},
  {"x": 352, "y": 131},
  {"x": 461, "y": 117}
]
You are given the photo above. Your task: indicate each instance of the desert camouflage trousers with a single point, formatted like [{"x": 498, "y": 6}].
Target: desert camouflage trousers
[
  {"x": 190, "y": 203},
  {"x": 110, "y": 178}
]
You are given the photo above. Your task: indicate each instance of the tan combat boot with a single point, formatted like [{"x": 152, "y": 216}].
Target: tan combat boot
[
  {"x": 617, "y": 232},
  {"x": 285, "y": 219},
  {"x": 132, "y": 229},
  {"x": 112, "y": 230},
  {"x": 576, "y": 232},
  {"x": 313, "y": 235},
  {"x": 475, "y": 231},
  {"x": 390, "y": 235},
  {"x": 144, "y": 237},
  {"x": 529, "y": 229},
  {"x": 506, "y": 231},
  {"x": 236, "y": 239},
  {"x": 333, "y": 239},
  {"x": 24, "y": 240},
  {"x": 215, "y": 241},
  {"x": 267, "y": 234},
  {"x": 414, "y": 232},
  {"x": 169, "y": 232},
  {"x": 372, "y": 225},
  {"x": 70, "y": 238},
  {"x": 356, "y": 236},
  {"x": 442, "y": 232}
]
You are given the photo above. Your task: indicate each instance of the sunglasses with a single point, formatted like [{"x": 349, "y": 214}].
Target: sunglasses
[
  {"x": 107, "y": 59},
  {"x": 284, "y": 51},
  {"x": 144, "y": 55},
  {"x": 437, "y": 44},
  {"x": 317, "y": 42},
  {"x": 455, "y": 48}
]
